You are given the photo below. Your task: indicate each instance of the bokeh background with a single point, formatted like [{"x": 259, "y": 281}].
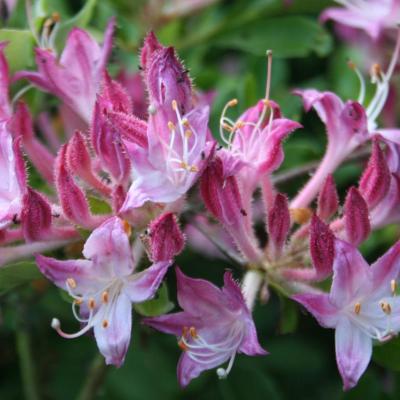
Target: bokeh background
[{"x": 223, "y": 44}]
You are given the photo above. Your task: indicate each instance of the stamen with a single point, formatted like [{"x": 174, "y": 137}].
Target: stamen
[
  {"x": 182, "y": 345},
  {"x": 227, "y": 127},
  {"x": 193, "y": 168},
  {"x": 269, "y": 69},
  {"x": 91, "y": 303},
  {"x": 232, "y": 103},
  {"x": 361, "y": 96},
  {"x": 357, "y": 308},
  {"x": 105, "y": 324},
  {"x": 300, "y": 215},
  {"x": 188, "y": 134},
  {"x": 174, "y": 105},
  {"x": 78, "y": 302},
  {"x": 171, "y": 126},
  {"x": 151, "y": 109},
  {"x": 127, "y": 227},
  {"x": 386, "y": 308},
  {"x": 193, "y": 332},
  {"x": 71, "y": 283},
  {"x": 185, "y": 123},
  {"x": 393, "y": 287},
  {"x": 105, "y": 297}
]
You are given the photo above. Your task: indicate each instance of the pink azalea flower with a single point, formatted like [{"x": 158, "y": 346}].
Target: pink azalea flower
[
  {"x": 361, "y": 307},
  {"x": 168, "y": 152},
  {"x": 104, "y": 285},
  {"x": 13, "y": 177},
  {"x": 213, "y": 327},
  {"x": 371, "y": 16},
  {"x": 76, "y": 76}
]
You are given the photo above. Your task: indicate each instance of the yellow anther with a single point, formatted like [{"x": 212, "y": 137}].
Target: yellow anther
[
  {"x": 127, "y": 227},
  {"x": 393, "y": 286},
  {"x": 357, "y": 308},
  {"x": 105, "y": 324},
  {"x": 56, "y": 17},
  {"x": 300, "y": 215},
  {"x": 78, "y": 302},
  {"x": 351, "y": 64},
  {"x": 188, "y": 134},
  {"x": 232, "y": 103},
  {"x": 185, "y": 123},
  {"x": 193, "y": 168},
  {"x": 174, "y": 105},
  {"x": 193, "y": 332},
  {"x": 71, "y": 283},
  {"x": 105, "y": 297},
  {"x": 91, "y": 303},
  {"x": 266, "y": 102},
  {"x": 185, "y": 330},
  {"x": 376, "y": 70},
  {"x": 239, "y": 124},
  {"x": 183, "y": 165},
  {"x": 386, "y": 308},
  {"x": 182, "y": 345},
  {"x": 227, "y": 127},
  {"x": 171, "y": 126}
]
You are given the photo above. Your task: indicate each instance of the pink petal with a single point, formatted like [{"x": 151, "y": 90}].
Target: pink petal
[
  {"x": 113, "y": 341},
  {"x": 143, "y": 285},
  {"x": 353, "y": 352},
  {"x": 328, "y": 200}
]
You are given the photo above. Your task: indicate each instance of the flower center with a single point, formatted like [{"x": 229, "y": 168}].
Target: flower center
[
  {"x": 98, "y": 303},
  {"x": 202, "y": 351}
]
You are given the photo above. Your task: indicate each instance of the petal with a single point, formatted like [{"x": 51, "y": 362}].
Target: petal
[
  {"x": 351, "y": 275},
  {"x": 108, "y": 247},
  {"x": 320, "y": 306},
  {"x": 198, "y": 296},
  {"x": 392, "y": 135},
  {"x": 233, "y": 294},
  {"x": 143, "y": 285},
  {"x": 250, "y": 344},
  {"x": 172, "y": 323},
  {"x": 353, "y": 352},
  {"x": 386, "y": 269},
  {"x": 113, "y": 341},
  {"x": 188, "y": 369},
  {"x": 81, "y": 271}
]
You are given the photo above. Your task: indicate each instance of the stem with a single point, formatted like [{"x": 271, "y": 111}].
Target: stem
[
  {"x": 250, "y": 286},
  {"x": 95, "y": 378},
  {"x": 28, "y": 375}
]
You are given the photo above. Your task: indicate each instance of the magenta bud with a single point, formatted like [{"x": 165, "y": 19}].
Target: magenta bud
[
  {"x": 35, "y": 216},
  {"x": 278, "y": 224},
  {"x": 114, "y": 96},
  {"x": 150, "y": 46},
  {"x": 375, "y": 181},
  {"x": 356, "y": 217},
  {"x": 322, "y": 248},
  {"x": 129, "y": 127},
  {"x": 72, "y": 199},
  {"x": 221, "y": 194},
  {"x": 166, "y": 238},
  {"x": 328, "y": 199}
]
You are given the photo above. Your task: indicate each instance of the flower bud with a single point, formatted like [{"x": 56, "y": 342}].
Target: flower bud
[{"x": 328, "y": 200}]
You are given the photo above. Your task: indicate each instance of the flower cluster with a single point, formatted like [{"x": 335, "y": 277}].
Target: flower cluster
[{"x": 141, "y": 147}]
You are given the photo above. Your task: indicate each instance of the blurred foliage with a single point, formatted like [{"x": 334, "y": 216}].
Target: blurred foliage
[{"x": 224, "y": 47}]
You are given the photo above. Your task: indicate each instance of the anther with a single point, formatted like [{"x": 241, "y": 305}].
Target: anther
[
  {"x": 105, "y": 297},
  {"x": 71, "y": 283},
  {"x": 227, "y": 127},
  {"x": 300, "y": 215},
  {"x": 183, "y": 165},
  {"x": 357, "y": 308},
  {"x": 105, "y": 324},
  {"x": 78, "y": 302},
  {"x": 393, "y": 286},
  {"x": 193, "y": 332},
  {"x": 188, "y": 134},
  {"x": 185, "y": 123},
  {"x": 376, "y": 70},
  {"x": 91, "y": 303},
  {"x": 232, "y": 103},
  {"x": 171, "y": 126},
  {"x": 239, "y": 124},
  {"x": 174, "y": 105},
  {"x": 386, "y": 308},
  {"x": 55, "y": 323},
  {"x": 193, "y": 168},
  {"x": 127, "y": 227},
  {"x": 56, "y": 17},
  {"x": 351, "y": 64},
  {"x": 182, "y": 345},
  {"x": 266, "y": 102}
]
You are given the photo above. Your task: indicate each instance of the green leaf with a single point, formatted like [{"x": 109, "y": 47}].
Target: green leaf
[
  {"x": 98, "y": 206},
  {"x": 286, "y": 36},
  {"x": 13, "y": 275},
  {"x": 289, "y": 316},
  {"x": 157, "y": 306},
  {"x": 81, "y": 19},
  {"x": 19, "y": 51},
  {"x": 388, "y": 354}
]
